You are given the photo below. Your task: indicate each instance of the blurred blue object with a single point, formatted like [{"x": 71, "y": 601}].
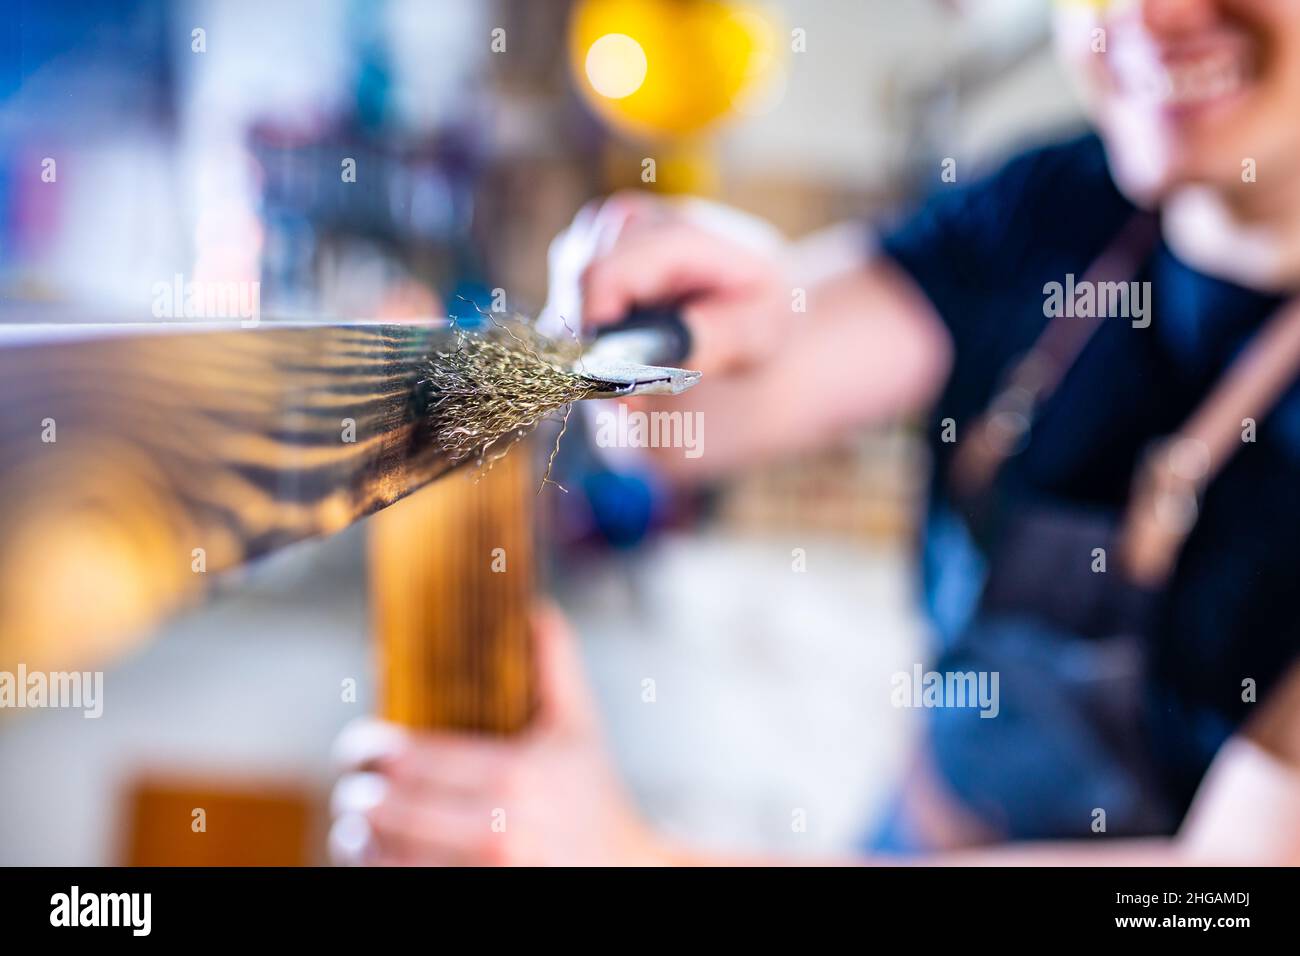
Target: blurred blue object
[
  {"x": 623, "y": 506},
  {"x": 98, "y": 60}
]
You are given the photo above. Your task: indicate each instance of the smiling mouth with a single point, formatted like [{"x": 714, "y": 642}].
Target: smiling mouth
[{"x": 1187, "y": 83}]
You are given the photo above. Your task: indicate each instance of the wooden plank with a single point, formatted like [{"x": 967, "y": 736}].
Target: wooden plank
[
  {"x": 452, "y": 574},
  {"x": 135, "y": 461},
  {"x": 219, "y": 818}
]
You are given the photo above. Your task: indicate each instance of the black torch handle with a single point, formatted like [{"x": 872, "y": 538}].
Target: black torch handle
[{"x": 670, "y": 339}]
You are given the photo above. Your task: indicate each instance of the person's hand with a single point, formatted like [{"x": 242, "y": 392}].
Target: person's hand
[
  {"x": 547, "y": 797},
  {"x": 727, "y": 267}
]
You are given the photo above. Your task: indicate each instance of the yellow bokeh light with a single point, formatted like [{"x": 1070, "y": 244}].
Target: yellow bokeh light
[
  {"x": 616, "y": 66},
  {"x": 703, "y": 61}
]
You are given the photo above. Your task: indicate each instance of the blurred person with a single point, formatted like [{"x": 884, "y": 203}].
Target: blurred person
[{"x": 1162, "y": 436}]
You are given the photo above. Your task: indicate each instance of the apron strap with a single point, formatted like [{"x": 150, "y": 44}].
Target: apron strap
[
  {"x": 1173, "y": 476},
  {"x": 1002, "y": 430}
]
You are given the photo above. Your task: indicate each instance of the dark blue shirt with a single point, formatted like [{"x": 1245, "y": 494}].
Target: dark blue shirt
[{"x": 982, "y": 254}]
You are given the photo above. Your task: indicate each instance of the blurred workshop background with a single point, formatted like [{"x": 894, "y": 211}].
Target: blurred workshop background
[{"x": 201, "y": 138}]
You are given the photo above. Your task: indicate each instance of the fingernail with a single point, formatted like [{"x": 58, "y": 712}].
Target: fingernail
[
  {"x": 367, "y": 741},
  {"x": 350, "y": 840},
  {"x": 357, "y": 793}
]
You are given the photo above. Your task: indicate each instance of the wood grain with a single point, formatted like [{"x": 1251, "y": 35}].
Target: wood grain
[
  {"x": 452, "y": 575},
  {"x": 180, "y": 452}
]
